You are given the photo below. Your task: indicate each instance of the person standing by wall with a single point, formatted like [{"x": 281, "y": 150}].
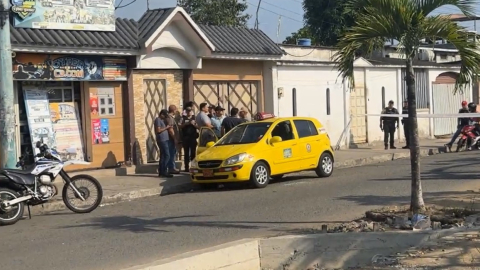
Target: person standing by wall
[
  {"x": 388, "y": 125},
  {"x": 202, "y": 118},
  {"x": 161, "y": 131},
  {"x": 189, "y": 137},
  {"x": 406, "y": 125},
  {"x": 174, "y": 139},
  {"x": 244, "y": 114},
  {"x": 217, "y": 120},
  {"x": 232, "y": 121},
  {"x": 211, "y": 111}
]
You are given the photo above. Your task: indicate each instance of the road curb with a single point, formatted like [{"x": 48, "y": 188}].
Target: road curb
[
  {"x": 298, "y": 251},
  {"x": 186, "y": 187},
  {"x": 386, "y": 157}
]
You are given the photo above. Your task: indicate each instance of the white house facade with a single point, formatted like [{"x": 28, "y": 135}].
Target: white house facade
[{"x": 306, "y": 83}]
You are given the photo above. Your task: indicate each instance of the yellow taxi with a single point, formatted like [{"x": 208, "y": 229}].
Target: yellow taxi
[{"x": 263, "y": 150}]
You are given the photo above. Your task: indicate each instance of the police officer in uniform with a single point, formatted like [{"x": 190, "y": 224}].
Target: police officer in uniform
[
  {"x": 406, "y": 125},
  {"x": 389, "y": 124}
]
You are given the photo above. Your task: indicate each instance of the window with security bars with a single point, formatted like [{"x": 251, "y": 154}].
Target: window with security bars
[{"x": 106, "y": 105}]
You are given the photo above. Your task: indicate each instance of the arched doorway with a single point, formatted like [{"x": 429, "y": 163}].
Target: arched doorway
[{"x": 446, "y": 101}]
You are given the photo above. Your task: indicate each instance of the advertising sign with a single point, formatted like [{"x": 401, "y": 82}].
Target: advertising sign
[
  {"x": 89, "y": 15},
  {"x": 68, "y": 68},
  {"x": 66, "y": 125}
]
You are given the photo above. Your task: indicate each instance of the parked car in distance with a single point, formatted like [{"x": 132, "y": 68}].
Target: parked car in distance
[{"x": 263, "y": 150}]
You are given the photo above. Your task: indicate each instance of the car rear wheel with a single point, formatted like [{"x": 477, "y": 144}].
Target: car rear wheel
[
  {"x": 325, "y": 165},
  {"x": 260, "y": 175}
]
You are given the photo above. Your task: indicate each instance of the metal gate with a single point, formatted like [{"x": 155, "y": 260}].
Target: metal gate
[
  {"x": 155, "y": 96},
  {"x": 238, "y": 94},
  {"x": 446, "y": 102}
]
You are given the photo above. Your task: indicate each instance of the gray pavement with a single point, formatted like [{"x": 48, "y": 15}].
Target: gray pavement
[{"x": 145, "y": 230}]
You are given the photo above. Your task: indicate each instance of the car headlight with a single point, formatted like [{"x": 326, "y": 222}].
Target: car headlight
[
  {"x": 194, "y": 163},
  {"x": 235, "y": 159}
]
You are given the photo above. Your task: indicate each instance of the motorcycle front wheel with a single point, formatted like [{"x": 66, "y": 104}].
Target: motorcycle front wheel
[
  {"x": 10, "y": 215},
  {"x": 89, "y": 188}
]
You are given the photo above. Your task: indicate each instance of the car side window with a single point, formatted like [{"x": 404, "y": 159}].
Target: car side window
[
  {"x": 305, "y": 128},
  {"x": 206, "y": 135},
  {"x": 283, "y": 130}
]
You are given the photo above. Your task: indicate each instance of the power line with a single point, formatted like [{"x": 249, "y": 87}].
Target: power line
[
  {"x": 126, "y": 5},
  {"x": 290, "y": 18},
  {"x": 282, "y": 8}
]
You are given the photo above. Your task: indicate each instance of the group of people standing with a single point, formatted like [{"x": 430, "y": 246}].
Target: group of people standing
[
  {"x": 390, "y": 124},
  {"x": 176, "y": 131}
]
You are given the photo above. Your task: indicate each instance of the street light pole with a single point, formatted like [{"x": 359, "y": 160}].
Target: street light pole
[{"x": 8, "y": 148}]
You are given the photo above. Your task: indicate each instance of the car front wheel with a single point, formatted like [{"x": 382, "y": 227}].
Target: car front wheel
[
  {"x": 260, "y": 175},
  {"x": 325, "y": 165}
]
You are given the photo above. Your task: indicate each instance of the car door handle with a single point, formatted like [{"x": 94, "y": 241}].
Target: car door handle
[{"x": 294, "y": 144}]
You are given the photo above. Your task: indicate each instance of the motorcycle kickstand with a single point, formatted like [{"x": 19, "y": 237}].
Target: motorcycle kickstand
[{"x": 29, "y": 213}]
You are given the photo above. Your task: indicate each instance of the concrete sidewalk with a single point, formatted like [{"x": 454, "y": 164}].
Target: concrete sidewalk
[{"x": 143, "y": 181}]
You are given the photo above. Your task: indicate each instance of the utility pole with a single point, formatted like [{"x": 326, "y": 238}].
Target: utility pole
[
  {"x": 8, "y": 148},
  {"x": 256, "y": 15}
]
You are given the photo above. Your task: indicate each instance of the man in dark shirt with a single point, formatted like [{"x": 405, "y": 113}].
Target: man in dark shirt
[
  {"x": 232, "y": 121},
  {"x": 387, "y": 125},
  {"x": 461, "y": 123},
  {"x": 189, "y": 136},
  {"x": 406, "y": 125},
  {"x": 162, "y": 137}
]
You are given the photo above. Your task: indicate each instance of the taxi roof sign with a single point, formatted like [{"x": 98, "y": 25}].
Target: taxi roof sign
[{"x": 263, "y": 116}]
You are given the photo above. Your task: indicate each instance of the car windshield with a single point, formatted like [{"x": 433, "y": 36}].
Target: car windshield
[{"x": 243, "y": 134}]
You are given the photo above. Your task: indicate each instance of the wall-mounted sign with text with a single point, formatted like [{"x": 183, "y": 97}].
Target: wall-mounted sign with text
[
  {"x": 68, "y": 68},
  {"x": 89, "y": 15}
]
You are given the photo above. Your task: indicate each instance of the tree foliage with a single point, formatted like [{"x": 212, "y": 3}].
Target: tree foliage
[
  {"x": 407, "y": 21},
  {"x": 303, "y": 32},
  {"x": 217, "y": 12},
  {"x": 327, "y": 19}
]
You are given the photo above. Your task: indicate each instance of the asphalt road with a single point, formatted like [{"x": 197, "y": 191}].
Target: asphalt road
[{"x": 145, "y": 230}]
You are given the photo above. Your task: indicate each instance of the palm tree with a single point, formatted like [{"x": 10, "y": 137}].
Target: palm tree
[{"x": 407, "y": 21}]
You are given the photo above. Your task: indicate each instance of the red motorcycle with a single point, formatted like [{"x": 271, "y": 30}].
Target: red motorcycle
[{"x": 469, "y": 136}]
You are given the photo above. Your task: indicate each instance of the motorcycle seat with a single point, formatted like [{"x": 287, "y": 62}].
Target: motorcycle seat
[{"x": 15, "y": 171}]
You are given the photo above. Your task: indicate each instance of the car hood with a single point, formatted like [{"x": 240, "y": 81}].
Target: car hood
[{"x": 223, "y": 151}]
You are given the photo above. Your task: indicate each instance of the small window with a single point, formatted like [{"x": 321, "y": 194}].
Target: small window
[
  {"x": 383, "y": 98},
  {"x": 283, "y": 130},
  {"x": 106, "y": 105},
  {"x": 328, "y": 101},
  {"x": 305, "y": 128}
]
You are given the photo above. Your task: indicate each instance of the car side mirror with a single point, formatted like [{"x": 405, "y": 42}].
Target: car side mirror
[
  {"x": 275, "y": 139},
  {"x": 210, "y": 144}
]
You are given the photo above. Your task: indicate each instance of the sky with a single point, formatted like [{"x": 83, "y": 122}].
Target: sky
[{"x": 290, "y": 11}]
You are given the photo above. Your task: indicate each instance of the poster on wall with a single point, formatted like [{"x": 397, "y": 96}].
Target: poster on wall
[
  {"x": 68, "y": 67},
  {"x": 90, "y": 15},
  {"x": 38, "y": 115},
  {"x": 93, "y": 105},
  {"x": 66, "y": 125},
  {"x": 96, "y": 131},
  {"x": 105, "y": 129}
]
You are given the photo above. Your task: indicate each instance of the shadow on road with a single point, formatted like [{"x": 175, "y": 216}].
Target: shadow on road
[
  {"x": 452, "y": 199},
  {"x": 141, "y": 225},
  {"x": 442, "y": 170}
]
